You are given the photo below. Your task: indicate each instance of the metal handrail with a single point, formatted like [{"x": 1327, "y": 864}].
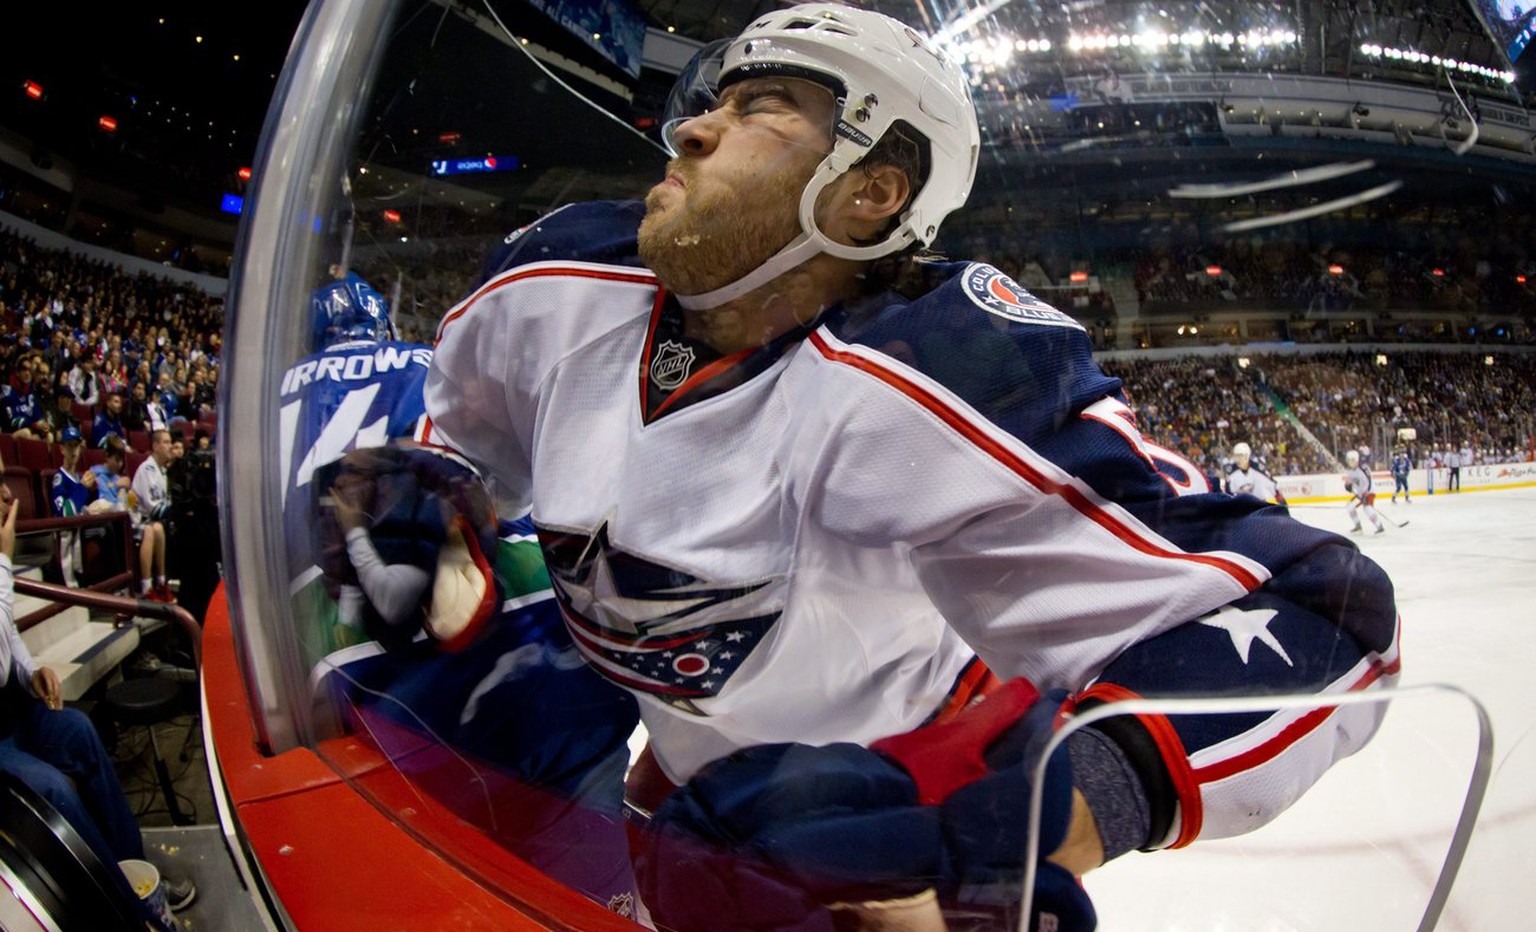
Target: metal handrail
[
  {"x": 53, "y": 526},
  {"x": 122, "y": 607},
  {"x": 38, "y": 525}
]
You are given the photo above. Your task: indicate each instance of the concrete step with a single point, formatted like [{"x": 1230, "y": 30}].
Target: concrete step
[
  {"x": 88, "y": 654},
  {"x": 79, "y": 650}
]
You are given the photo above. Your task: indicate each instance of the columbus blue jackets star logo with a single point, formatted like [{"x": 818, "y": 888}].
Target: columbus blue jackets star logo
[
  {"x": 1245, "y": 627},
  {"x": 653, "y": 628}
]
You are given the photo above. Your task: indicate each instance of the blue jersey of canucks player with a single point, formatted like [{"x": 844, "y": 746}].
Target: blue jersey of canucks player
[
  {"x": 69, "y": 494},
  {"x": 353, "y": 395},
  {"x": 564, "y": 754}
]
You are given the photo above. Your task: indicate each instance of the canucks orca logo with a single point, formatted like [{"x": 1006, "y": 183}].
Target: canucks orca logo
[
  {"x": 996, "y": 293},
  {"x": 652, "y": 628}
]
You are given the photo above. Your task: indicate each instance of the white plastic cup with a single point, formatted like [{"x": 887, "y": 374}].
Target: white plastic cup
[{"x": 144, "y": 878}]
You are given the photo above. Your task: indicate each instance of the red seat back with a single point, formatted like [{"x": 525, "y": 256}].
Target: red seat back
[
  {"x": 132, "y": 460},
  {"x": 33, "y": 454},
  {"x": 7, "y": 450},
  {"x": 45, "y": 489},
  {"x": 23, "y": 485}
]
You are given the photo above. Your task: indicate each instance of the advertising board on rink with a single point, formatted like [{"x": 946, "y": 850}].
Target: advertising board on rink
[{"x": 1329, "y": 487}]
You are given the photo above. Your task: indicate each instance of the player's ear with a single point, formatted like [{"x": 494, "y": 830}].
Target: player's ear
[
  {"x": 860, "y": 204},
  {"x": 884, "y": 191}
]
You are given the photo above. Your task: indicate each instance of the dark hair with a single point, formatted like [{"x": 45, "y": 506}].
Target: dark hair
[{"x": 905, "y": 148}]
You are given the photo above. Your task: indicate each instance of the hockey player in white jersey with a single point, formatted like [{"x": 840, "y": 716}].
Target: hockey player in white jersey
[
  {"x": 784, "y": 506},
  {"x": 1246, "y": 478},
  {"x": 1357, "y": 482}
]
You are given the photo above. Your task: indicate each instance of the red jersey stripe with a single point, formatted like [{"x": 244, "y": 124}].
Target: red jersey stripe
[
  {"x": 1069, "y": 493},
  {"x": 638, "y": 277}
]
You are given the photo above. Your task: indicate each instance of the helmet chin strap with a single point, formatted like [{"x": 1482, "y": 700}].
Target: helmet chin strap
[{"x": 802, "y": 248}]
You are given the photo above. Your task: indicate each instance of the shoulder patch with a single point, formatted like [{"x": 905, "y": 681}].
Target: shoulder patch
[{"x": 992, "y": 291}]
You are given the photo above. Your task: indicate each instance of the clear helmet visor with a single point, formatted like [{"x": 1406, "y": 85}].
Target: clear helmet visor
[
  {"x": 699, "y": 87},
  {"x": 695, "y": 92}
]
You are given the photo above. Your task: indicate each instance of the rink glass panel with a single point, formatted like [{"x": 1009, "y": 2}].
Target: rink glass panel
[{"x": 406, "y": 141}]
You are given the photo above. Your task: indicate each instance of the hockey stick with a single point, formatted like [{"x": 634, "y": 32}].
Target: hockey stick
[{"x": 1401, "y": 524}]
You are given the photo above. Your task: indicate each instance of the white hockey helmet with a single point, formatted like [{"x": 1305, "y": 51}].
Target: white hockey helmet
[
  {"x": 1352, "y": 458},
  {"x": 880, "y": 71},
  {"x": 1241, "y": 450}
]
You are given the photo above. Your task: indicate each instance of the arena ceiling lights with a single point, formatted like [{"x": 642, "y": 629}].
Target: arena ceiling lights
[
  {"x": 1155, "y": 40},
  {"x": 999, "y": 49},
  {"x": 1435, "y": 61}
]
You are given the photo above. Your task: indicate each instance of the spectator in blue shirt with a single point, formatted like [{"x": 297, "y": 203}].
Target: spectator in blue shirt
[
  {"x": 24, "y": 413},
  {"x": 111, "y": 483},
  {"x": 72, "y": 490},
  {"x": 109, "y": 422}
]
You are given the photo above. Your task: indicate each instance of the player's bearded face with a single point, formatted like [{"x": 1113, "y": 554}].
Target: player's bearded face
[{"x": 732, "y": 199}]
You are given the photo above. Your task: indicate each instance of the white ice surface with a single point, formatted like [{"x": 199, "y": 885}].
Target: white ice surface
[{"x": 1361, "y": 851}]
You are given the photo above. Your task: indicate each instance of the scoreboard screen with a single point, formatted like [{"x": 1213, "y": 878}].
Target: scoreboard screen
[
  {"x": 1509, "y": 23},
  {"x": 491, "y": 163}
]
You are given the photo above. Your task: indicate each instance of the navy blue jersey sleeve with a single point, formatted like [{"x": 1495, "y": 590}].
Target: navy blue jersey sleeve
[
  {"x": 592, "y": 231},
  {"x": 1252, "y": 601}
]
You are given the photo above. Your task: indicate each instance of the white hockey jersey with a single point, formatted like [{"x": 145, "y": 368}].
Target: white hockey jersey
[
  {"x": 1252, "y": 481},
  {"x": 808, "y": 541},
  {"x": 1357, "y": 482}
]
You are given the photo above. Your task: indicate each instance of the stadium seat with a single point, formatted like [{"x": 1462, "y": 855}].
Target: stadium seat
[
  {"x": 23, "y": 485},
  {"x": 83, "y": 414},
  {"x": 7, "y": 450},
  {"x": 132, "y": 460},
  {"x": 92, "y": 456},
  {"x": 45, "y": 490},
  {"x": 138, "y": 440},
  {"x": 33, "y": 455}
]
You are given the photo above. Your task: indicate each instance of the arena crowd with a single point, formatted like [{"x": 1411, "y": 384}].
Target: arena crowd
[{"x": 74, "y": 332}]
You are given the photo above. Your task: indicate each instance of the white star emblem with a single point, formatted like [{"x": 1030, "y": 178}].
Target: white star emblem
[
  {"x": 597, "y": 596},
  {"x": 1246, "y": 626}
]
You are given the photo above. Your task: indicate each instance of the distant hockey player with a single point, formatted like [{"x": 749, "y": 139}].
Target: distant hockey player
[
  {"x": 782, "y": 505},
  {"x": 1402, "y": 466},
  {"x": 1357, "y": 482},
  {"x": 1247, "y": 478}
]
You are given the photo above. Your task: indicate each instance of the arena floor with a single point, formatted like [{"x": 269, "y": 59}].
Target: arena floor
[{"x": 1363, "y": 849}]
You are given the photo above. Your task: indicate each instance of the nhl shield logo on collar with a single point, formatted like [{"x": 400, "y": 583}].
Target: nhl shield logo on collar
[
  {"x": 992, "y": 291},
  {"x": 672, "y": 365}
]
